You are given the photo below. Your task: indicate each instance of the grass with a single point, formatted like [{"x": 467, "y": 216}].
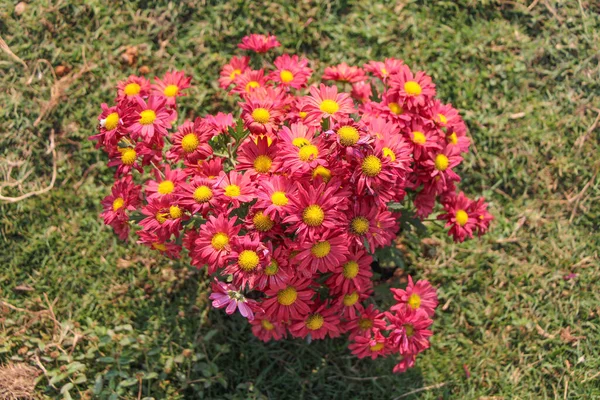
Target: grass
[{"x": 103, "y": 319}]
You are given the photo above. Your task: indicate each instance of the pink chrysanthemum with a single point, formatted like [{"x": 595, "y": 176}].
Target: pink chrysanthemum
[
  {"x": 262, "y": 111},
  {"x": 383, "y": 70},
  {"x": 291, "y": 302},
  {"x": 277, "y": 273},
  {"x": 409, "y": 332},
  {"x": 290, "y": 71},
  {"x": 372, "y": 344},
  {"x": 350, "y": 303},
  {"x": 110, "y": 126},
  {"x": 226, "y": 295},
  {"x": 322, "y": 321},
  {"x": 237, "y": 188},
  {"x": 439, "y": 168},
  {"x": 212, "y": 245},
  {"x": 133, "y": 87},
  {"x": 154, "y": 242},
  {"x": 259, "y": 43},
  {"x": 322, "y": 252},
  {"x": 326, "y": 102},
  {"x": 219, "y": 123},
  {"x": 200, "y": 195},
  {"x": 248, "y": 258},
  {"x": 171, "y": 86},
  {"x": 163, "y": 218},
  {"x": 353, "y": 274},
  {"x": 460, "y": 222},
  {"x": 151, "y": 120},
  {"x": 424, "y": 137},
  {"x": 125, "y": 159},
  {"x": 419, "y": 296},
  {"x": 344, "y": 73},
  {"x": 274, "y": 196},
  {"x": 361, "y": 91},
  {"x": 413, "y": 90},
  {"x": 368, "y": 319},
  {"x": 406, "y": 361},
  {"x": 165, "y": 186},
  {"x": 190, "y": 142},
  {"x": 125, "y": 196},
  {"x": 249, "y": 81},
  {"x": 237, "y": 66},
  {"x": 265, "y": 329}
]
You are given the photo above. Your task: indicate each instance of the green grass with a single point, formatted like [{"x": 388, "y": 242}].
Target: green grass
[{"x": 116, "y": 321}]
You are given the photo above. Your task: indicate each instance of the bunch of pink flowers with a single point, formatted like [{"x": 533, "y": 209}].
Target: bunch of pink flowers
[{"x": 285, "y": 204}]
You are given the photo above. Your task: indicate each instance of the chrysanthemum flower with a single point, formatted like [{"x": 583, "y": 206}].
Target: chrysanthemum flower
[
  {"x": 369, "y": 318},
  {"x": 133, "y": 87},
  {"x": 219, "y": 123},
  {"x": 362, "y": 223},
  {"x": 227, "y": 295},
  {"x": 393, "y": 147},
  {"x": 274, "y": 195},
  {"x": 209, "y": 169},
  {"x": 247, "y": 259},
  {"x": 153, "y": 241},
  {"x": 171, "y": 86},
  {"x": 344, "y": 73},
  {"x": 413, "y": 90},
  {"x": 326, "y": 102},
  {"x": 125, "y": 196},
  {"x": 200, "y": 195},
  {"x": 259, "y": 43},
  {"x": 248, "y": 81},
  {"x": 322, "y": 252},
  {"x": 151, "y": 153},
  {"x": 419, "y": 296},
  {"x": 163, "y": 218},
  {"x": 190, "y": 142},
  {"x": 460, "y": 217},
  {"x": 150, "y": 120},
  {"x": 439, "y": 168},
  {"x": 383, "y": 70},
  {"x": 409, "y": 332},
  {"x": 424, "y": 202},
  {"x": 301, "y": 155},
  {"x": 374, "y": 174},
  {"x": 350, "y": 303},
  {"x": 237, "y": 66},
  {"x": 354, "y": 274},
  {"x": 392, "y": 109},
  {"x": 322, "y": 321},
  {"x": 290, "y": 71},
  {"x": 212, "y": 246},
  {"x": 165, "y": 186},
  {"x": 315, "y": 209},
  {"x": 265, "y": 329},
  {"x": 291, "y": 302},
  {"x": 371, "y": 344},
  {"x": 361, "y": 91},
  {"x": 482, "y": 216},
  {"x": 298, "y": 113},
  {"x": 443, "y": 114},
  {"x": 263, "y": 225},
  {"x": 406, "y": 361},
  {"x": 125, "y": 159},
  {"x": 262, "y": 111},
  {"x": 110, "y": 126},
  {"x": 424, "y": 138},
  {"x": 347, "y": 133},
  {"x": 237, "y": 188},
  {"x": 456, "y": 135}
]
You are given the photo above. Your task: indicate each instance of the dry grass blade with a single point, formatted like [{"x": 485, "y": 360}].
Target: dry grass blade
[
  {"x": 423, "y": 389},
  {"x": 8, "y": 51},
  {"x": 17, "y": 381}
]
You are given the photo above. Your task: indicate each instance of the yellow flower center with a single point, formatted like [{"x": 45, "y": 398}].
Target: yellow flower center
[
  {"x": 329, "y": 106},
  {"x": 453, "y": 138},
  {"x": 261, "y": 115},
  {"x": 443, "y": 119},
  {"x": 359, "y": 225},
  {"x": 313, "y": 215},
  {"x": 323, "y": 172},
  {"x": 410, "y": 330},
  {"x": 202, "y": 194},
  {"x": 128, "y": 156},
  {"x": 308, "y": 152},
  {"x": 348, "y": 135},
  {"x": 252, "y": 85},
  {"x": 414, "y": 301},
  {"x": 419, "y": 137},
  {"x": 279, "y": 199},
  {"x": 132, "y": 89},
  {"x": 302, "y": 114},
  {"x": 262, "y": 222},
  {"x": 441, "y": 162},
  {"x": 111, "y": 121},
  {"x": 389, "y": 153},
  {"x": 350, "y": 269},
  {"x": 377, "y": 347},
  {"x": 190, "y": 142},
  {"x": 462, "y": 217},
  {"x": 232, "y": 190},
  {"x": 262, "y": 164},
  {"x": 412, "y": 88},
  {"x": 395, "y": 108},
  {"x": 321, "y": 249},
  {"x": 118, "y": 203},
  {"x": 219, "y": 241},
  {"x": 166, "y": 187},
  {"x": 248, "y": 260},
  {"x": 267, "y": 325},
  {"x": 286, "y": 76},
  {"x": 315, "y": 322},
  {"x": 371, "y": 166},
  {"x": 365, "y": 323},
  {"x": 175, "y": 212},
  {"x": 272, "y": 269},
  {"x": 171, "y": 91},
  {"x": 235, "y": 73},
  {"x": 147, "y": 117},
  {"x": 351, "y": 299},
  {"x": 300, "y": 142},
  {"x": 383, "y": 71},
  {"x": 159, "y": 246},
  {"x": 287, "y": 296}
]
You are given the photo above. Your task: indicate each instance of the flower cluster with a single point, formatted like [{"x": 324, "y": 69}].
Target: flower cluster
[{"x": 285, "y": 202}]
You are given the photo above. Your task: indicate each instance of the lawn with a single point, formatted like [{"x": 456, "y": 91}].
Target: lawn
[{"x": 98, "y": 318}]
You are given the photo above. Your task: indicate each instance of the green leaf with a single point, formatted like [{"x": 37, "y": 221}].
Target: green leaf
[{"x": 128, "y": 382}]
